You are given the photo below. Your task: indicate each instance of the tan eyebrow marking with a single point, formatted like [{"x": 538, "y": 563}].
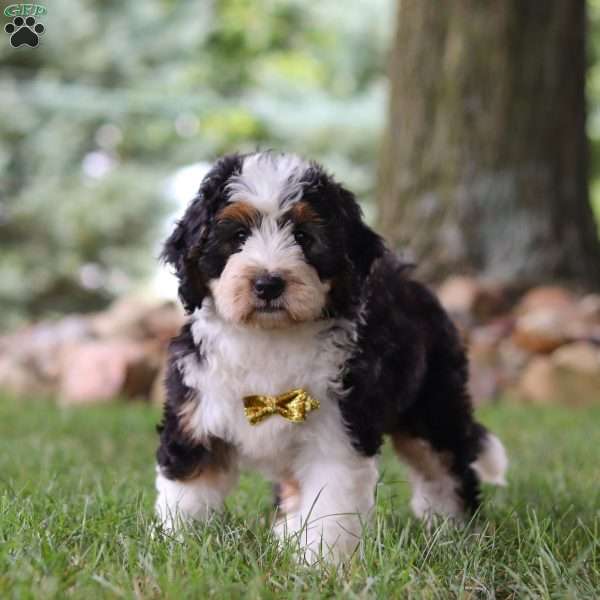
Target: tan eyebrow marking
[
  {"x": 241, "y": 212},
  {"x": 303, "y": 212}
]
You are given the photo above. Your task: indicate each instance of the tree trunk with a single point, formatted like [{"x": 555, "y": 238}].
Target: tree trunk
[{"x": 484, "y": 167}]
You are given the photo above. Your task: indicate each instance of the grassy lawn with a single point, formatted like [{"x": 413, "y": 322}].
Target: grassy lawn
[{"x": 76, "y": 494}]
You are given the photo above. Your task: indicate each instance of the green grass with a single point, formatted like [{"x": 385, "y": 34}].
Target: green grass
[{"x": 76, "y": 494}]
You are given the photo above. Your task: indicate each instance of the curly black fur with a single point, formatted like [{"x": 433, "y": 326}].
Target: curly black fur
[
  {"x": 178, "y": 456},
  {"x": 410, "y": 373}
]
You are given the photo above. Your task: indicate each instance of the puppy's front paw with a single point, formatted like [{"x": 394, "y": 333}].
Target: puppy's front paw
[
  {"x": 170, "y": 520},
  {"x": 324, "y": 539},
  {"x": 180, "y": 503}
]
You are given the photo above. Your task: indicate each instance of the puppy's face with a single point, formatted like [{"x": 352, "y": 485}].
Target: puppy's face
[
  {"x": 269, "y": 273},
  {"x": 273, "y": 240}
]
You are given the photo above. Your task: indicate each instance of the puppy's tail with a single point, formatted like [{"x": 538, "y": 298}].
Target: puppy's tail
[{"x": 492, "y": 461}]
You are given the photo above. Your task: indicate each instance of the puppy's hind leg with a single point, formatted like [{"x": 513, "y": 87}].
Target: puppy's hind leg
[
  {"x": 438, "y": 437},
  {"x": 442, "y": 484},
  {"x": 445, "y": 478}
]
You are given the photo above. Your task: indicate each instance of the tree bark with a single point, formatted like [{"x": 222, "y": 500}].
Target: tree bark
[{"x": 484, "y": 168}]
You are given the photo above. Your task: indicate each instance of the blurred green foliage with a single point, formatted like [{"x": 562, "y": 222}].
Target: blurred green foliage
[
  {"x": 120, "y": 94},
  {"x": 593, "y": 95}
]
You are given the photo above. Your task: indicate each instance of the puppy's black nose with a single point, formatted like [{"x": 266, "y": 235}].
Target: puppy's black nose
[{"x": 269, "y": 287}]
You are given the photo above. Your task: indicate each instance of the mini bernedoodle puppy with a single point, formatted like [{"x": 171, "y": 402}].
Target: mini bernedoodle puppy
[{"x": 307, "y": 342}]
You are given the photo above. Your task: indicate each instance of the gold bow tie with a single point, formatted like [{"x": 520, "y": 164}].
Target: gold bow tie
[{"x": 292, "y": 405}]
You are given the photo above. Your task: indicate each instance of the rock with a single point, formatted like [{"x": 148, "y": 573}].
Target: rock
[
  {"x": 158, "y": 393},
  {"x": 570, "y": 376},
  {"x": 123, "y": 319},
  {"x": 467, "y": 298},
  {"x": 163, "y": 321},
  {"x": 511, "y": 360},
  {"x": 486, "y": 378},
  {"x": 551, "y": 317},
  {"x": 135, "y": 318},
  {"x": 547, "y": 318},
  {"x": 580, "y": 357},
  {"x": 100, "y": 371},
  {"x": 589, "y": 308},
  {"x": 586, "y": 323},
  {"x": 546, "y": 297},
  {"x": 577, "y": 374},
  {"x": 91, "y": 359},
  {"x": 19, "y": 380},
  {"x": 142, "y": 370},
  {"x": 92, "y": 372},
  {"x": 541, "y": 330},
  {"x": 29, "y": 358},
  {"x": 537, "y": 383}
]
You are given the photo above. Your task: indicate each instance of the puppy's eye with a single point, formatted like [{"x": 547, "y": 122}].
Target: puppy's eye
[
  {"x": 241, "y": 235},
  {"x": 301, "y": 237}
]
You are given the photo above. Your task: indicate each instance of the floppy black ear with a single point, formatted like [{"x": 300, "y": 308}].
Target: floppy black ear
[
  {"x": 179, "y": 251},
  {"x": 183, "y": 247},
  {"x": 363, "y": 245},
  {"x": 360, "y": 243}
]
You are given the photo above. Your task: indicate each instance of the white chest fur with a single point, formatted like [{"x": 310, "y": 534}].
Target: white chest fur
[{"x": 240, "y": 361}]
